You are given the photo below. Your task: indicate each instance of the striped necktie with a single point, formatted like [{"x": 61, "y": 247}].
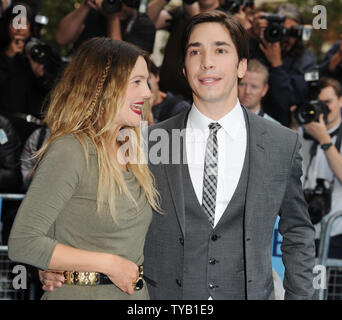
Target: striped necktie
[{"x": 210, "y": 173}]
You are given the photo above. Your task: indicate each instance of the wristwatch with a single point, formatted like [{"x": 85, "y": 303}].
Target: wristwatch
[{"x": 326, "y": 146}]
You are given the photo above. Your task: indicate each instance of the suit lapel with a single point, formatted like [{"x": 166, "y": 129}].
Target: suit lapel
[
  {"x": 257, "y": 161},
  {"x": 174, "y": 173}
]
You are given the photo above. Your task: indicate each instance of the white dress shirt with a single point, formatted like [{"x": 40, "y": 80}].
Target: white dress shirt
[{"x": 232, "y": 142}]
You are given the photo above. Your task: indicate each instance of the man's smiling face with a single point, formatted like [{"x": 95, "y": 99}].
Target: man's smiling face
[{"x": 212, "y": 66}]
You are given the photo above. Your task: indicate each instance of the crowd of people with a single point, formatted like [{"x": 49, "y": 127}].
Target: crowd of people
[{"x": 282, "y": 82}]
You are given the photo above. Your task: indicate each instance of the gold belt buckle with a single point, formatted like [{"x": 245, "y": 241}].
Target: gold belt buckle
[
  {"x": 81, "y": 278},
  {"x": 140, "y": 282}
]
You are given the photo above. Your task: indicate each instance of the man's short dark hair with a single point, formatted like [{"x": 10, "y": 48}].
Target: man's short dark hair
[
  {"x": 326, "y": 82},
  {"x": 154, "y": 69},
  {"x": 236, "y": 30}
]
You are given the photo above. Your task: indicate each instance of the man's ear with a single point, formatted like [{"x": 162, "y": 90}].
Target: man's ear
[
  {"x": 242, "y": 68},
  {"x": 184, "y": 73},
  {"x": 265, "y": 90}
]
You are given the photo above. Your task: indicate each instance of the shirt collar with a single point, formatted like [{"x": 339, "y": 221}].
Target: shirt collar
[
  {"x": 334, "y": 128},
  {"x": 231, "y": 122}
]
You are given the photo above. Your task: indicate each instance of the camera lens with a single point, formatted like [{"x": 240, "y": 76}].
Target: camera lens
[
  {"x": 306, "y": 113},
  {"x": 111, "y": 6},
  {"x": 273, "y": 33}
]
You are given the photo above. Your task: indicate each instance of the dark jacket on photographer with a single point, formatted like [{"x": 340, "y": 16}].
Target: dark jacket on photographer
[
  {"x": 10, "y": 177},
  {"x": 324, "y": 66},
  {"x": 21, "y": 92},
  {"x": 287, "y": 86},
  {"x": 141, "y": 33}
]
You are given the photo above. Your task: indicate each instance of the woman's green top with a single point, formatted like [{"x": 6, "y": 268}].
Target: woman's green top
[{"x": 60, "y": 207}]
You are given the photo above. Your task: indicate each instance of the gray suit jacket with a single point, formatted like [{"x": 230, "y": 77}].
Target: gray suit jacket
[{"x": 274, "y": 187}]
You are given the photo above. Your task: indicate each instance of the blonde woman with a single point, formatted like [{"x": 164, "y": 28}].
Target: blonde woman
[{"x": 86, "y": 212}]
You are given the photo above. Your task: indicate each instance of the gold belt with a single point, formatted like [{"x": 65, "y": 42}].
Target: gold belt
[
  {"x": 96, "y": 278},
  {"x": 84, "y": 278}
]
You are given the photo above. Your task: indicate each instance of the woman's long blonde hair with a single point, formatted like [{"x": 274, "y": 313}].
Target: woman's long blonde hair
[{"x": 86, "y": 102}]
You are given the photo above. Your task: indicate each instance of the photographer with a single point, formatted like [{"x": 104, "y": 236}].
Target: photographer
[
  {"x": 323, "y": 160},
  {"x": 331, "y": 65},
  {"x": 22, "y": 80},
  {"x": 286, "y": 58},
  {"x": 119, "y": 20}
]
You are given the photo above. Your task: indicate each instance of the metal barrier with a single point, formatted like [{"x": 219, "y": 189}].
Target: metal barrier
[
  {"x": 7, "y": 291},
  {"x": 334, "y": 266}
]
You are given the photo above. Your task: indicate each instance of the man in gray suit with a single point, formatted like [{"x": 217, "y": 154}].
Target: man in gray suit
[
  {"x": 222, "y": 198},
  {"x": 224, "y": 185}
]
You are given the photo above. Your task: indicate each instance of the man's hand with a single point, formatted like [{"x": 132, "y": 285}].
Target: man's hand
[
  {"x": 95, "y": 4},
  {"x": 122, "y": 272},
  {"x": 318, "y": 130},
  {"x": 51, "y": 279},
  {"x": 37, "y": 68},
  {"x": 242, "y": 17},
  {"x": 17, "y": 45},
  {"x": 272, "y": 52}
]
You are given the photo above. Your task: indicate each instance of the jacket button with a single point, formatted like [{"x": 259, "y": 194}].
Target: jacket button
[
  {"x": 179, "y": 282},
  {"x": 212, "y": 261},
  {"x": 181, "y": 241},
  {"x": 214, "y": 237},
  {"x": 212, "y": 286}
]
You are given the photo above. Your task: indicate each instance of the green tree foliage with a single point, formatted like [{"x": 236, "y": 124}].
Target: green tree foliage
[{"x": 55, "y": 10}]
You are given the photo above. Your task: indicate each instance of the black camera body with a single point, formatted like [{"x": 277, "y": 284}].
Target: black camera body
[
  {"x": 114, "y": 6},
  {"x": 38, "y": 50},
  {"x": 310, "y": 110},
  {"x": 319, "y": 200},
  {"x": 275, "y": 30},
  {"x": 233, "y": 6}
]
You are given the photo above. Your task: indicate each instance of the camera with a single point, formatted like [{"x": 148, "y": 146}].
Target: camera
[
  {"x": 233, "y": 6},
  {"x": 275, "y": 30},
  {"x": 40, "y": 22},
  {"x": 47, "y": 56},
  {"x": 310, "y": 110},
  {"x": 114, "y": 6},
  {"x": 319, "y": 200},
  {"x": 38, "y": 50}
]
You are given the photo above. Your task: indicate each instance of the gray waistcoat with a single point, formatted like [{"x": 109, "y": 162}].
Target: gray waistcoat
[{"x": 214, "y": 258}]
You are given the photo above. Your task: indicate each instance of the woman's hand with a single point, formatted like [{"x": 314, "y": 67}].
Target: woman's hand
[{"x": 123, "y": 273}]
